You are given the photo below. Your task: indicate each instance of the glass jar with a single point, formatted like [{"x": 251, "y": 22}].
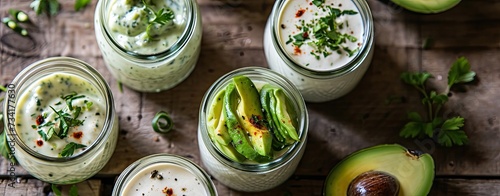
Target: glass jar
[
  {"x": 146, "y": 68},
  {"x": 325, "y": 84},
  {"x": 160, "y": 172},
  {"x": 252, "y": 176},
  {"x": 57, "y": 169}
]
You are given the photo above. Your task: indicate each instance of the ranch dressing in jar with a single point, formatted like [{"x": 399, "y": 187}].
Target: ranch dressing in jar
[
  {"x": 149, "y": 45},
  {"x": 324, "y": 48}
]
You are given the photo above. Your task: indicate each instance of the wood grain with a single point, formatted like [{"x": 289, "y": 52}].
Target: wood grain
[{"x": 232, "y": 38}]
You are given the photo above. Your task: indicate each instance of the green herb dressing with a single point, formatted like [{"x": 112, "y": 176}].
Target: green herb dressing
[
  {"x": 128, "y": 22},
  {"x": 35, "y": 114}
]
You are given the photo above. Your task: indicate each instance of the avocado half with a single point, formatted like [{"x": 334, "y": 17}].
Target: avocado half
[
  {"x": 427, "y": 6},
  {"x": 414, "y": 171}
]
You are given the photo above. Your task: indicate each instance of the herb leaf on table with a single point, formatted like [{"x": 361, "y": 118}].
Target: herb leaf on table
[{"x": 447, "y": 132}]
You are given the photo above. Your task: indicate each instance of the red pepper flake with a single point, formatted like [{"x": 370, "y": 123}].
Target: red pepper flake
[
  {"x": 39, "y": 143},
  {"x": 296, "y": 50},
  {"x": 305, "y": 35},
  {"x": 168, "y": 191},
  {"x": 299, "y": 13},
  {"x": 39, "y": 120},
  {"x": 77, "y": 135}
]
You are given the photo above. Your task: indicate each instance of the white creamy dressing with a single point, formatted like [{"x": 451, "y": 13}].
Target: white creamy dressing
[
  {"x": 180, "y": 180},
  {"x": 128, "y": 21},
  {"x": 35, "y": 102},
  {"x": 290, "y": 25}
]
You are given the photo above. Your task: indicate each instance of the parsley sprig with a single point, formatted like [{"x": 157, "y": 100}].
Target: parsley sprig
[
  {"x": 448, "y": 132},
  {"x": 161, "y": 17}
]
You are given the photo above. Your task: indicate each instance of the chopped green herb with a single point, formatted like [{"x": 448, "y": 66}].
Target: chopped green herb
[
  {"x": 161, "y": 17},
  {"x": 325, "y": 30},
  {"x": 73, "y": 191},
  {"x": 70, "y": 148}
]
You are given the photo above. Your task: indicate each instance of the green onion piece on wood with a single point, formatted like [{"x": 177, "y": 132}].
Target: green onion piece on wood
[{"x": 162, "y": 123}]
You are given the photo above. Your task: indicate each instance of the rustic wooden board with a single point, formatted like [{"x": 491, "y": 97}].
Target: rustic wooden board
[{"x": 232, "y": 38}]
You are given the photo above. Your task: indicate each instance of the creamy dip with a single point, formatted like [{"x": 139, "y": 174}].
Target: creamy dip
[
  {"x": 41, "y": 128},
  {"x": 129, "y": 22},
  {"x": 148, "y": 60},
  {"x": 306, "y": 33},
  {"x": 164, "y": 179}
]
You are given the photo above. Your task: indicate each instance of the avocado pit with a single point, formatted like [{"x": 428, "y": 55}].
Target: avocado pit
[{"x": 373, "y": 183}]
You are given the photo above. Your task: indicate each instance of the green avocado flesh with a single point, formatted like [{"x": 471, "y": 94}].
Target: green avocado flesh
[
  {"x": 241, "y": 127},
  {"x": 427, "y": 6},
  {"x": 415, "y": 173}
]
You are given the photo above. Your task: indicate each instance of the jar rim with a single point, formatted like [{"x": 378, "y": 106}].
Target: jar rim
[
  {"x": 180, "y": 43},
  {"x": 68, "y": 65},
  {"x": 355, "y": 62},
  {"x": 163, "y": 158},
  {"x": 271, "y": 77}
]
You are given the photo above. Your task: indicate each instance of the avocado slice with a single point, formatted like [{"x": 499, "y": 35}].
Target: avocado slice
[
  {"x": 251, "y": 117},
  {"x": 239, "y": 136},
  {"x": 427, "y": 6},
  {"x": 278, "y": 114},
  {"x": 217, "y": 130},
  {"x": 413, "y": 170},
  {"x": 216, "y": 120}
]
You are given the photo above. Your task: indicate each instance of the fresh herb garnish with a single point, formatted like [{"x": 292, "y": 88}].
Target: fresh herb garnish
[
  {"x": 70, "y": 148},
  {"x": 48, "y": 135},
  {"x": 327, "y": 37},
  {"x": 56, "y": 190},
  {"x": 448, "y": 132},
  {"x": 161, "y": 17}
]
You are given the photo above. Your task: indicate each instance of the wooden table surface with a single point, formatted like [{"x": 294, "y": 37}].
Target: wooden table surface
[{"x": 232, "y": 38}]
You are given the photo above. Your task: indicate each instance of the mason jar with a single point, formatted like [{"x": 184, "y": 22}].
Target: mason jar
[
  {"x": 144, "y": 55},
  {"x": 31, "y": 111},
  {"x": 250, "y": 176},
  {"x": 164, "y": 173},
  {"x": 294, "y": 45}
]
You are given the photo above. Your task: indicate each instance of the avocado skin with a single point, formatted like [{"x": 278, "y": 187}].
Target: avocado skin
[
  {"x": 414, "y": 172},
  {"x": 238, "y": 135},
  {"x": 426, "y": 6}
]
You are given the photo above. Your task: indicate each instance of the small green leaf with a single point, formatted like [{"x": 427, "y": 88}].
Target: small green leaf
[
  {"x": 318, "y": 2},
  {"x": 412, "y": 130},
  {"x": 450, "y": 137},
  {"x": 55, "y": 190},
  {"x": 50, "y": 132},
  {"x": 70, "y": 148},
  {"x": 454, "y": 123},
  {"x": 43, "y": 135},
  {"x": 438, "y": 99},
  {"x": 73, "y": 191},
  {"x": 460, "y": 72},
  {"x": 429, "y": 130},
  {"x": 416, "y": 79},
  {"x": 79, "y": 4},
  {"x": 2, "y": 88}
]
